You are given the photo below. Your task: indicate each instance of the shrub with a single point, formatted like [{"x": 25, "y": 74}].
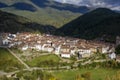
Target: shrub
[{"x": 86, "y": 75}]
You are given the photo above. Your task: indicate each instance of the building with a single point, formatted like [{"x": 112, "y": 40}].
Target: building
[
  {"x": 112, "y": 56},
  {"x": 65, "y": 51},
  {"x": 6, "y": 42},
  {"x": 65, "y": 55},
  {"x": 84, "y": 52}
]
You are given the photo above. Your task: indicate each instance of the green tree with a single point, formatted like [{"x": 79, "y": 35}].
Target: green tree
[{"x": 87, "y": 76}]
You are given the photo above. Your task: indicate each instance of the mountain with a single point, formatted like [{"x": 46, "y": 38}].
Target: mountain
[
  {"x": 46, "y": 12},
  {"x": 61, "y": 6},
  {"x": 94, "y": 24},
  {"x": 13, "y": 23},
  {"x": 2, "y": 5},
  {"x": 23, "y": 6},
  {"x": 111, "y": 4}
]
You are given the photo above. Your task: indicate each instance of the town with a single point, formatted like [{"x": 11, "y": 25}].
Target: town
[{"x": 65, "y": 47}]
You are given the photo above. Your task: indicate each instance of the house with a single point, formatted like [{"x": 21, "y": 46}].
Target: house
[
  {"x": 57, "y": 49},
  {"x": 105, "y": 49},
  {"x": 84, "y": 52},
  {"x": 11, "y": 36},
  {"x": 32, "y": 46},
  {"x": 6, "y": 42},
  {"x": 38, "y": 47},
  {"x": 48, "y": 48},
  {"x": 65, "y": 51},
  {"x": 65, "y": 55},
  {"x": 72, "y": 50},
  {"x": 93, "y": 50},
  {"x": 112, "y": 56},
  {"x": 11, "y": 45},
  {"x": 65, "y": 48},
  {"x": 25, "y": 47},
  {"x": 111, "y": 49}
]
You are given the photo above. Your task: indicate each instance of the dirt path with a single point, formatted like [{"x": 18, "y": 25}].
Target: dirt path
[{"x": 18, "y": 59}]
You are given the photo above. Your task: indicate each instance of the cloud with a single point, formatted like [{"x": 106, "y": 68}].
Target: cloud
[{"x": 112, "y": 4}]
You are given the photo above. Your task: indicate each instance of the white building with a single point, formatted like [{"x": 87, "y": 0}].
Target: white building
[
  {"x": 48, "y": 48},
  {"x": 25, "y": 47},
  {"x": 38, "y": 47},
  {"x": 112, "y": 56},
  {"x": 65, "y": 55},
  {"x": 57, "y": 49},
  {"x": 72, "y": 51},
  {"x": 105, "y": 49},
  {"x": 6, "y": 42},
  {"x": 11, "y": 36},
  {"x": 84, "y": 52}
]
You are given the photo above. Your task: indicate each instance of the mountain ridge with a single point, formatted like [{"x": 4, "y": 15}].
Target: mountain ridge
[
  {"x": 42, "y": 11},
  {"x": 93, "y": 24},
  {"x": 13, "y": 23}
]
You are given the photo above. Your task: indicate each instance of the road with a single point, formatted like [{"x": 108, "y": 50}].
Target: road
[
  {"x": 27, "y": 67},
  {"x": 2, "y": 73}
]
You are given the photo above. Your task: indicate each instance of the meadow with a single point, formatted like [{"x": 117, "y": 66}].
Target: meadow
[
  {"x": 93, "y": 74},
  {"x": 49, "y": 60},
  {"x": 8, "y": 62}
]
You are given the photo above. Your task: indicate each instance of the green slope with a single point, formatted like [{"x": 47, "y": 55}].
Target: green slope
[
  {"x": 13, "y": 23},
  {"x": 44, "y": 15},
  {"x": 94, "y": 24},
  {"x": 47, "y": 16}
]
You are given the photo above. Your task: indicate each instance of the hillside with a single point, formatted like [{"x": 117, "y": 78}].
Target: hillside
[
  {"x": 13, "y": 23},
  {"x": 46, "y": 12},
  {"x": 94, "y": 24}
]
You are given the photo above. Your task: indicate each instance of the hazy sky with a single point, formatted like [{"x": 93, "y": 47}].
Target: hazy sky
[{"x": 113, "y": 4}]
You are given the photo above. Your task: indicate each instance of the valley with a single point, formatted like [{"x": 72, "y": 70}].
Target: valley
[
  {"x": 43, "y": 13},
  {"x": 59, "y": 40}
]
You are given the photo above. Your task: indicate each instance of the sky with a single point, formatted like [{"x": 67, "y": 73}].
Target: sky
[{"x": 112, "y": 4}]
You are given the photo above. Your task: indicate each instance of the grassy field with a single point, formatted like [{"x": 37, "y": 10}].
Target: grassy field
[
  {"x": 96, "y": 74},
  {"x": 8, "y": 62},
  {"x": 44, "y": 61}
]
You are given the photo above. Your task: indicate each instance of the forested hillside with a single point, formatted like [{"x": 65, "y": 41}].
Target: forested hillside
[{"x": 94, "y": 24}]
